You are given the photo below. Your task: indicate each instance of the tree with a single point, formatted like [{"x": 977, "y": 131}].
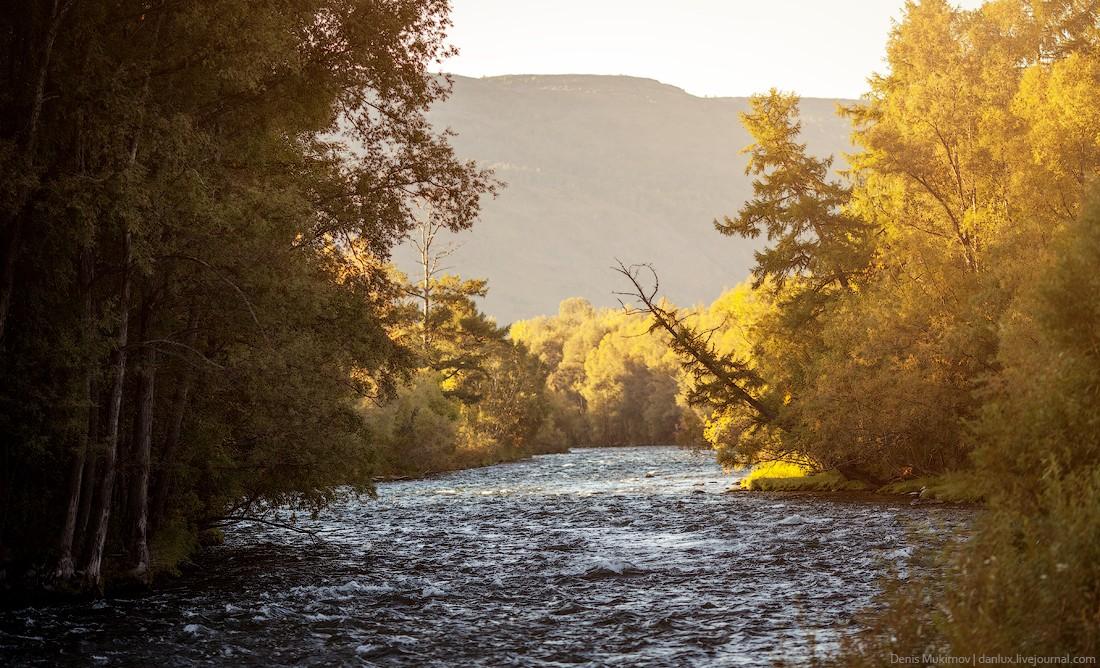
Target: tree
[
  {"x": 430, "y": 257},
  {"x": 795, "y": 204},
  {"x": 210, "y": 204},
  {"x": 477, "y": 399},
  {"x": 720, "y": 379}
]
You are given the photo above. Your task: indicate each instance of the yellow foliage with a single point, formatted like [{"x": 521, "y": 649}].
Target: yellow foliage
[{"x": 774, "y": 470}]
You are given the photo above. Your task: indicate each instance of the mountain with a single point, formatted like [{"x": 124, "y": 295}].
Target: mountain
[{"x": 599, "y": 168}]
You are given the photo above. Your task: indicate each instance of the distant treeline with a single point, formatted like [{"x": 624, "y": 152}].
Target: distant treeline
[{"x": 611, "y": 382}]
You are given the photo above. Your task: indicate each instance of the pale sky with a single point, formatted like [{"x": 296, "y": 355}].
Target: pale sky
[{"x": 817, "y": 48}]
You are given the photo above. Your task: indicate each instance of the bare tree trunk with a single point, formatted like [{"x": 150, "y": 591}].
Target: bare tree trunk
[
  {"x": 93, "y": 571},
  {"x": 143, "y": 457},
  {"x": 734, "y": 375},
  {"x": 91, "y": 468},
  {"x": 166, "y": 466},
  {"x": 430, "y": 259},
  {"x": 426, "y": 263},
  {"x": 65, "y": 568},
  {"x": 81, "y": 539},
  {"x": 166, "y": 475},
  {"x": 38, "y": 97}
]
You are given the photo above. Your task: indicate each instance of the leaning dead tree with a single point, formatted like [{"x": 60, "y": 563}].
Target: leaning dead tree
[{"x": 719, "y": 379}]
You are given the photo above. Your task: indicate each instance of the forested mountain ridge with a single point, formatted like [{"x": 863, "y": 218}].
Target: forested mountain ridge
[{"x": 599, "y": 167}]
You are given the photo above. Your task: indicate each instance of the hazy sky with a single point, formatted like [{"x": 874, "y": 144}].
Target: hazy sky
[{"x": 817, "y": 48}]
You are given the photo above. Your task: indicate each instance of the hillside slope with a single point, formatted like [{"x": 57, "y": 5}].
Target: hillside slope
[{"x": 598, "y": 168}]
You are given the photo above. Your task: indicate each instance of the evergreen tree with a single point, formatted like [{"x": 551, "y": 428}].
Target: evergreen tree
[{"x": 795, "y": 204}]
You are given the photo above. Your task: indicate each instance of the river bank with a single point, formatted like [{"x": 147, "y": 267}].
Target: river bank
[{"x": 959, "y": 487}]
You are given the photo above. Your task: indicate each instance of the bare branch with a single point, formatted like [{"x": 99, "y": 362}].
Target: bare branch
[
  {"x": 236, "y": 288},
  {"x": 151, "y": 343},
  {"x": 223, "y": 521},
  {"x": 724, "y": 380}
]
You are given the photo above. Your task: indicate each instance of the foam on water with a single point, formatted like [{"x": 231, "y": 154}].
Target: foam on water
[{"x": 597, "y": 557}]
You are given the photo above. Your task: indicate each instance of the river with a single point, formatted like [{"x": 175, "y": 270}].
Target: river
[{"x": 617, "y": 557}]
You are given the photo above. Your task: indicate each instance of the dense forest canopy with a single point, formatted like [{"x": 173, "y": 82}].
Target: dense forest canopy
[
  {"x": 199, "y": 201},
  {"x": 934, "y": 312},
  {"x": 898, "y": 279}
]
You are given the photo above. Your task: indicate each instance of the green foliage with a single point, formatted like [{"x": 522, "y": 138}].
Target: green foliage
[
  {"x": 1027, "y": 581},
  {"x": 886, "y": 304},
  {"x": 173, "y": 545},
  {"x": 414, "y": 433},
  {"x": 216, "y": 187},
  {"x": 478, "y": 399},
  {"x": 795, "y": 204},
  {"x": 1041, "y": 417},
  {"x": 1002, "y": 179}
]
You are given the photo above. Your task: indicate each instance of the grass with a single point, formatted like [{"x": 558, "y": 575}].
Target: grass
[
  {"x": 773, "y": 471},
  {"x": 786, "y": 477},
  {"x": 957, "y": 487},
  {"x": 825, "y": 481}
]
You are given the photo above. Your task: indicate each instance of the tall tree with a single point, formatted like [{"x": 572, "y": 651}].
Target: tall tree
[
  {"x": 795, "y": 204},
  {"x": 240, "y": 172}
]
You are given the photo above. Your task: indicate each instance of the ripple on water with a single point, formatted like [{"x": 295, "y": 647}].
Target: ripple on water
[{"x": 595, "y": 557}]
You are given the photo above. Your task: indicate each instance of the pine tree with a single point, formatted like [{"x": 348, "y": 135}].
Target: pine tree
[{"x": 795, "y": 204}]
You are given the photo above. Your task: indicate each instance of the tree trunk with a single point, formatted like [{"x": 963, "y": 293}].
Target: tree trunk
[
  {"x": 101, "y": 515},
  {"x": 38, "y": 97},
  {"x": 91, "y": 468},
  {"x": 81, "y": 538},
  {"x": 93, "y": 573},
  {"x": 65, "y": 567},
  {"x": 142, "y": 459},
  {"x": 166, "y": 475},
  {"x": 166, "y": 465}
]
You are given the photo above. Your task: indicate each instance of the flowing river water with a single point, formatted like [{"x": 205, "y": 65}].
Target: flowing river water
[{"x": 617, "y": 557}]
